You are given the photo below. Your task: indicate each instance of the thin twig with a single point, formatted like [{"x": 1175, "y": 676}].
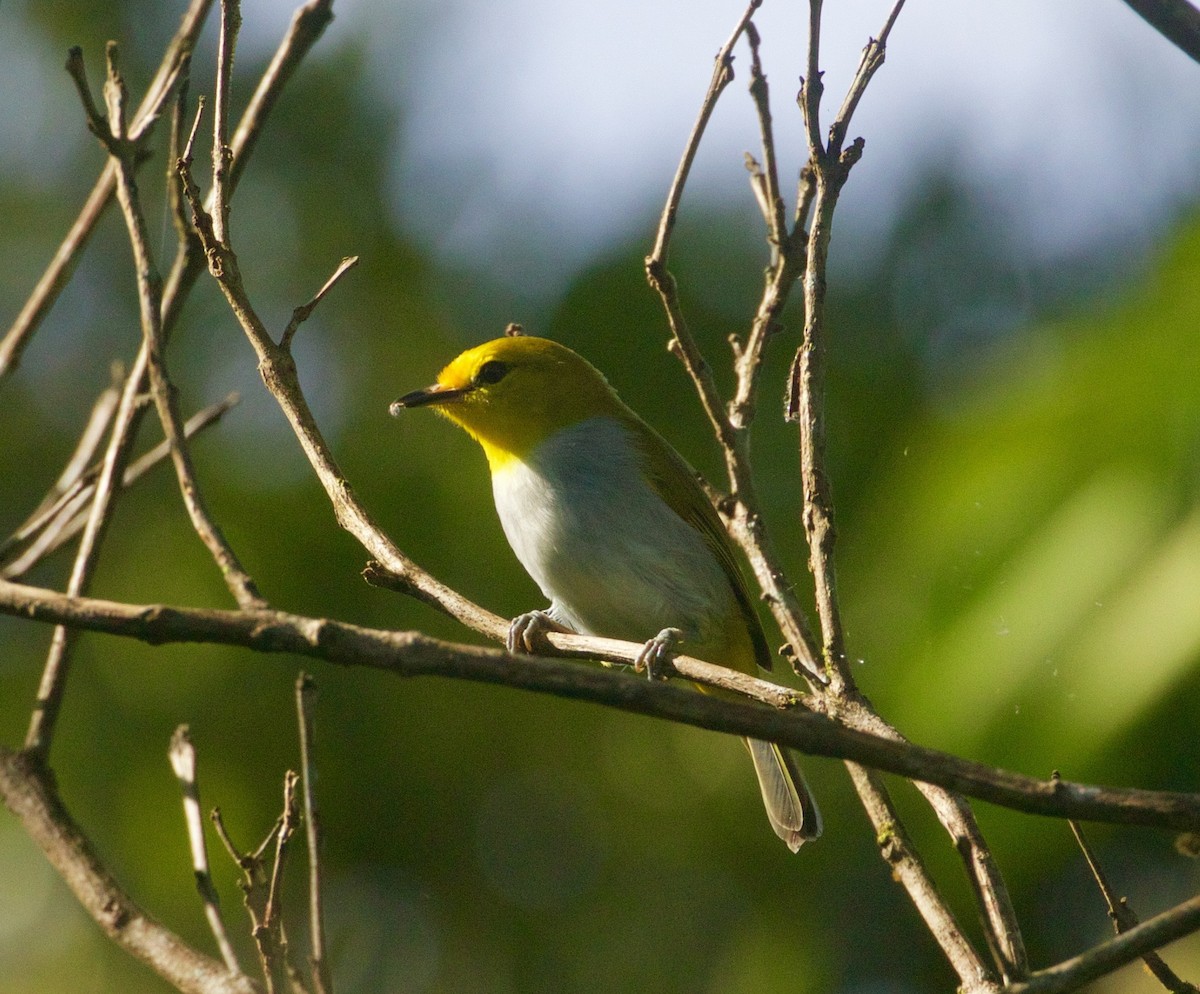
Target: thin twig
[
  {"x": 239, "y": 858},
  {"x": 278, "y": 370},
  {"x": 730, "y": 428},
  {"x": 826, "y": 174},
  {"x": 268, "y": 931},
  {"x": 1072, "y": 974},
  {"x": 302, "y": 313},
  {"x": 183, "y": 761},
  {"x": 62, "y": 266},
  {"x": 657, "y": 273},
  {"x": 176, "y": 205},
  {"x": 307, "y": 25},
  {"x": 49, "y": 531},
  {"x": 258, "y": 888},
  {"x": 231, "y": 22},
  {"x": 1123, "y": 917},
  {"x": 57, "y": 667},
  {"x": 773, "y": 209},
  {"x": 812, "y": 86},
  {"x": 721, "y": 78},
  {"x": 69, "y": 480},
  {"x": 318, "y": 962},
  {"x": 58, "y": 660},
  {"x": 63, "y": 521},
  {"x": 149, "y": 285},
  {"x": 872, "y": 58},
  {"x": 28, "y": 790},
  {"x": 787, "y": 258},
  {"x": 291, "y": 821}
]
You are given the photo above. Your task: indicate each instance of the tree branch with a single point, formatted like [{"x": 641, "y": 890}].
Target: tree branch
[
  {"x": 415, "y": 654},
  {"x": 182, "y": 754},
  {"x": 1123, "y": 918},
  {"x": 61, "y": 522},
  {"x": 149, "y": 293},
  {"x": 318, "y": 960},
  {"x": 909, "y": 870},
  {"x": 659, "y": 276},
  {"x": 62, "y": 266},
  {"x": 1183, "y": 919},
  {"x": 1176, "y": 20},
  {"x": 27, "y": 787}
]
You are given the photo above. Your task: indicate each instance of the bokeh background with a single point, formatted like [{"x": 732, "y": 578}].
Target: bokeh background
[{"x": 1014, "y": 419}]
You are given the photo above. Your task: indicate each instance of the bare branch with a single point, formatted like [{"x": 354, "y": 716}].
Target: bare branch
[
  {"x": 149, "y": 287},
  {"x": 721, "y": 78},
  {"x": 62, "y": 266},
  {"x": 77, "y": 70},
  {"x": 1176, "y": 20},
  {"x": 772, "y": 200},
  {"x": 1070, "y": 975},
  {"x": 306, "y": 27},
  {"x": 812, "y": 87},
  {"x": 906, "y": 865},
  {"x": 306, "y": 692},
  {"x": 302, "y": 313},
  {"x": 278, "y": 371},
  {"x": 222, "y": 154},
  {"x": 1123, "y": 918},
  {"x": 58, "y": 660},
  {"x": 183, "y": 761},
  {"x": 415, "y": 654},
  {"x": 872, "y": 58},
  {"x": 62, "y": 522},
  {"x": 821, "y": 183},
  {"x": 657, "y": 273},
  {"x": 68, "y": 483},
  {"x": 730, "y": 428},
  {"x": 27, "y": 787},
  {"x": 260, "y": 893},
  {"x": 291, "y": 821}
]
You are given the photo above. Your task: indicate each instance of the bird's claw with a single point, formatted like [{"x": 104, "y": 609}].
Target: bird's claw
[
  {"x": 527, "y": 632},
  {"x": 655, "y": 657}
]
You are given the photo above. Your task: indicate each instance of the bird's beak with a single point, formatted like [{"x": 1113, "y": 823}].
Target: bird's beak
[{"x": 435, "y": 395}]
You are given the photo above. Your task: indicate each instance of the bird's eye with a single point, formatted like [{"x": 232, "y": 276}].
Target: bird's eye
[{"x": 491, "y": 372}]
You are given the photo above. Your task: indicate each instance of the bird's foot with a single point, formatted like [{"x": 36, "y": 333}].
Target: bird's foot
[
  {"x": 655, "y": 657},
  {"x": 527, "y": 632}
]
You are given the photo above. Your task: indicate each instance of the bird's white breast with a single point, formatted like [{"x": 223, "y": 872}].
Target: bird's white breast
[{"x": 611, "y": 555}]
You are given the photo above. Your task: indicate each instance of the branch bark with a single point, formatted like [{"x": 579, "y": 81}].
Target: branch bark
[
  {"x": 27, "y": 787},
  {"x": 1103, "y": 959},
  {"x": 415, "y": 654},
  {"x": 1176, "y": 20},
  {"x": 62, "y": 266}
]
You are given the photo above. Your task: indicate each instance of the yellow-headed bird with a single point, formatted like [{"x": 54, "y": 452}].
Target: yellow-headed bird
[{"x": 612, "y": 524}]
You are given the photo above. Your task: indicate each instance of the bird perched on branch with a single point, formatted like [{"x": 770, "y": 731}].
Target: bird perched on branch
[{"x": 612, "y": 524}]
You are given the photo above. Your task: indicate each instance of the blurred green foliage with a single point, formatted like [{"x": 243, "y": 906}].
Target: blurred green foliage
[{"x": 1020, "y": 571}]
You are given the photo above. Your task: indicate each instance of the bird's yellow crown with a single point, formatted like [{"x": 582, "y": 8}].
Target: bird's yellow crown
[{"x": 513, "y": 393}]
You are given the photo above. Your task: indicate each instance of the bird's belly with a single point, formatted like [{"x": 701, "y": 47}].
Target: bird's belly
[{"x": 612, "y": 557}]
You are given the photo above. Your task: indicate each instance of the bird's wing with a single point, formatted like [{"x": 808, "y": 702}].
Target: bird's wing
[{"x": 677, "y": 484}]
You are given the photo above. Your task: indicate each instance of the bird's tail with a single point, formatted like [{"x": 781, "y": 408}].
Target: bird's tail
[{"x": 790, "y": 806}]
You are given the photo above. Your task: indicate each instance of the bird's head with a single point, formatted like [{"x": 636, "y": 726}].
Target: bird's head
[{"x": 513, "y": 393}]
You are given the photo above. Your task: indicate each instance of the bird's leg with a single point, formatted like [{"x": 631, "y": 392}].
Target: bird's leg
[
  {"x": 655, "y": 657},
  {"x": 526, "y": 631}
]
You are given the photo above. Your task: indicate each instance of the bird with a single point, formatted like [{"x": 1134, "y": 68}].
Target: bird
[{"x": 613, "y": 526}]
